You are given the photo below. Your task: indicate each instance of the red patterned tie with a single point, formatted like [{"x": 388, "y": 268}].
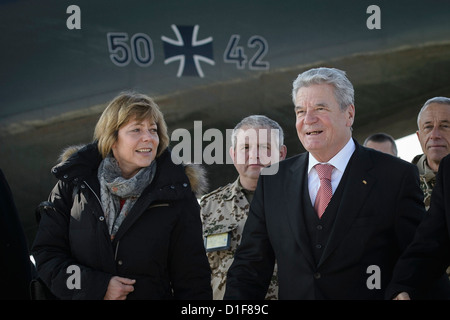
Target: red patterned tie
[{"x": 325, "y": 192}]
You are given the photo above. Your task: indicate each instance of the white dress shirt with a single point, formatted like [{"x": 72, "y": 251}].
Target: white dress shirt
[{"x": 339, "y": 161}]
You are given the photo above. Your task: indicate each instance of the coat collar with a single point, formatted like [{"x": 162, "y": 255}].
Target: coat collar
[
  {"x": 81, "y": 162},
  {"x": 171, "y": 181},
  {"x": 77, "y": 162}
]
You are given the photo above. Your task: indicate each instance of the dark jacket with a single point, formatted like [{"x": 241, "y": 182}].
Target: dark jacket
[
  {"x": 15, "y": 264},
  {"x": 428, "y": 256},
  {"x": 159, "y": 244}
]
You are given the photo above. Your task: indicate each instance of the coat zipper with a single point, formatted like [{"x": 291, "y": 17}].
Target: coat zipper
[
  {"x": 99, "y": 201},
  {"x": 92, "y": 190},
  {"x": 117, "y": 249}
]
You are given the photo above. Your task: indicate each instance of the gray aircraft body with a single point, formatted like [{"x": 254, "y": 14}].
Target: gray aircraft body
[{"x": 206, "y": 63}]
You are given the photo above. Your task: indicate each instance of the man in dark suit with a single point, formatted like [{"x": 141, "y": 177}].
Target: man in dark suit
[
  {"x": 350, "y": 250},
  {"x": 15, "y": 264},
  {"x": 429, "y": 254}
]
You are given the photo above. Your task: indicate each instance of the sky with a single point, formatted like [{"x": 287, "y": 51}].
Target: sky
[{"x": 408, "y": 147}]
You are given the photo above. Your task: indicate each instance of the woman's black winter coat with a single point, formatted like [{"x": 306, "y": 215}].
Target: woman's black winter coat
[{"x": 159, "y": 244}]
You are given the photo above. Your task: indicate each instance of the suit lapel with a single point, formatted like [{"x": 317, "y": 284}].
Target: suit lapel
[
  {"x": 356, "y": 189},
  {"x": 294, "y": 190}
]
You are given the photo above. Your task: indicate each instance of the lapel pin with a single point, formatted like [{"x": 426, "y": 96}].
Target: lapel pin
[{"x": 364, "y": 181}]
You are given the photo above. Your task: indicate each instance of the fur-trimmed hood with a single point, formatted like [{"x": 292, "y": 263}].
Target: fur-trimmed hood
[{"x": 196, "y": 173}]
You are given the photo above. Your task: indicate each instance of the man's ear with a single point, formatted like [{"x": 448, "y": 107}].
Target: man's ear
[
  {"x": 283, "y": 152},
  {"x": 351, "y": 115},
  {"x": 231, "y": 151}
]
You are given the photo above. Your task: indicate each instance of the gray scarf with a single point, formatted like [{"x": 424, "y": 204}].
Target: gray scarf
[{"x": 114, "y": 187}]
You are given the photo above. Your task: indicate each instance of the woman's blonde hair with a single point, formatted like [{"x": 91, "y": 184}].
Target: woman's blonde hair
[{"x": 123, "y": 108}]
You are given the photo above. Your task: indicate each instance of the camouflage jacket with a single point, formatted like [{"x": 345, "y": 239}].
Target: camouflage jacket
[
  {"x": 427, "y": 178},
  {"x": 224, "y": 212}
]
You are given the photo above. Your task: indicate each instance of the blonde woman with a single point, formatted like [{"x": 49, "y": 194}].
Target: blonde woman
[{"x": 124, "y": 215}]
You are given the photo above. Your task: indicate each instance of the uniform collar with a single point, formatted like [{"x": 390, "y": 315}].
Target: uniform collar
[
  {"x": 235, "y": 190},
  {"x": 424, "y": 170}
]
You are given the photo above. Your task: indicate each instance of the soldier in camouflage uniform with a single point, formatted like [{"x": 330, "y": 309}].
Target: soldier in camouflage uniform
[
  {"x": 433, "y": 132},
  {"x": 433, "y": 122},
  {"x": 225, "y": 210}
]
